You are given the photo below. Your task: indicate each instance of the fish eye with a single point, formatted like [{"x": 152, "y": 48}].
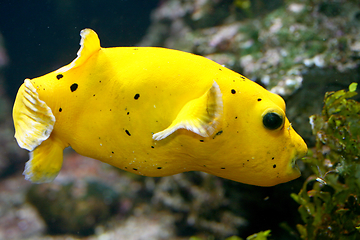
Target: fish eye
[{"x": 273, "y": 120}]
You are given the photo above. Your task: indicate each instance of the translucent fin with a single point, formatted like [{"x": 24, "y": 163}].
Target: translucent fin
[
  {"x": 33, "y": 119},
  {"x": 45, "y": 162},
  {"x": 89, "y": 43},
  {"x": 200, "y": 115}
]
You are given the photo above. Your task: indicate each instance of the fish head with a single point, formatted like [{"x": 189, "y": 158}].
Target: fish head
[
  {"x": 278, "y": 145},
  {"x": 260, "y": 145}
]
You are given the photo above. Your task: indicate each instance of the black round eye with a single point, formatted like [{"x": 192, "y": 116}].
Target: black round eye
[{"x": 272, "y": 121}]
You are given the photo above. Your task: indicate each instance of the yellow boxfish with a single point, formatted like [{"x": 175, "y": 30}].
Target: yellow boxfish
[{"x": 155, "y": 112}]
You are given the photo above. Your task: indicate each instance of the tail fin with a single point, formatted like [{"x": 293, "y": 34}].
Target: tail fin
[
  {"x": 33, "y": 118},
  {"x": 45, "y": 162},
  {"x": 34, "y": 123}
]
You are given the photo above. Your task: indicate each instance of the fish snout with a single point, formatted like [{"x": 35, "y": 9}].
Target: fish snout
[{"x": 300, "y": 151}]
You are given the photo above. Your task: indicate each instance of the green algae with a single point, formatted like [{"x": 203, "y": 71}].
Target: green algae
[
  {"x": 259, "y": 236},
  {"x": 263, "y": 235},
  {"x": 330, "y": 198}
]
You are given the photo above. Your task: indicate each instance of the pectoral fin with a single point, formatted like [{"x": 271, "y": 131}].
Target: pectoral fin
[
  {"x": 33, "y": 119},
  {"x": 200, "y": 115},
  {"x": 45, "y": 162}
]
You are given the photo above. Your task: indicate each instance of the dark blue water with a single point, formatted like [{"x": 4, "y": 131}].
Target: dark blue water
[{"x": 42, "y": 36}]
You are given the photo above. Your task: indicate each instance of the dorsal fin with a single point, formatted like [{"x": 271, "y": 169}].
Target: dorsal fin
[
  {"x": 89, "y": 43},
  {"x": 200, "y": 115}
]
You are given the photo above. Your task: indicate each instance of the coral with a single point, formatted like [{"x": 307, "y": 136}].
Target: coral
[
  {"x": 198, "y": 199},
  {"x": 330, "y": 198},
  {"x": 18, "y": 219},
  {"x": 74, "y": 207}
]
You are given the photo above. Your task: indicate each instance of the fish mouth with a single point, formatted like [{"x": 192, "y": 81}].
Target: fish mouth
[
  {"x": 294, "y": 164},
  {"x": 295, "y": 160}
]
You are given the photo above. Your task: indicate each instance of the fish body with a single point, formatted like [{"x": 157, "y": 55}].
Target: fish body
[{"x": 155, "y": 112}]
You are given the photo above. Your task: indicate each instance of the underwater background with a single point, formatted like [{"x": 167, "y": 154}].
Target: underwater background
[{"x": 298, "y": 49}]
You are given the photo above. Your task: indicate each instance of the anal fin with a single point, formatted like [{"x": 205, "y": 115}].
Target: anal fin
[
  {"x": 45, "y": 162},
  {"x": 200, "y": 115}
]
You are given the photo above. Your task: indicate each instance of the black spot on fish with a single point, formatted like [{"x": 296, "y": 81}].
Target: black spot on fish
[
  {"x": 110, "y": 109},
  {"x": 100, "y": 81},
  {"x": 248, "y": 160},
  {"x": 159, "y": 168},
  {"x": 94, "y": 95},
  {"x": 235, "y": 117},
  {"x": 59, "y": 76},
  {"x": 272, "y": 158},
  {"x": 152, "y": 147},
  {"x": 127, "y": 132},
  {"x": 136, "y": 97},
  {"x": 218, "y": 133},
  {"x": 135, "y": 169},
  {"x": 220, "y": 69},
  {"x": 60, "y": 109},
  {"x": 135, "y": 49},
  {"x": 73, "y": 87},
  {"x": 125, "y": 167},
  {"x": 233, "y": 91},
  {"x": 201, "y": 140},
  {"x": 127, "y": 113},
  {"x": 222, "y": 168},
  {"x": 112, "y": 152},
  {"x": 274, "y": 166},
  {"x": 259, "y": 99},
  {"x": 242, "y": 77}
]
